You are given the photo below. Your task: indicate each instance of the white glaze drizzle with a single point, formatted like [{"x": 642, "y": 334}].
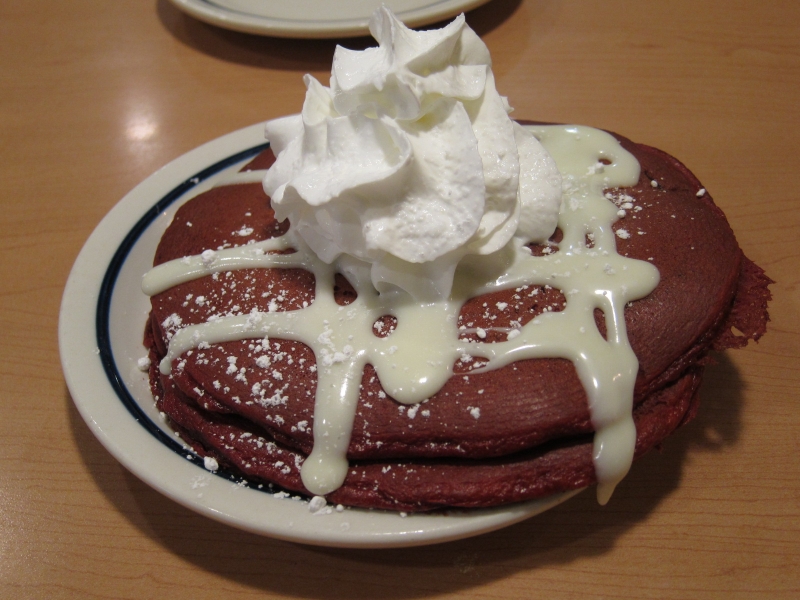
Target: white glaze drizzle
[{"x": 418, "y": 357}]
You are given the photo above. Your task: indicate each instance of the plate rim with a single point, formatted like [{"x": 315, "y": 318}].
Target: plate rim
[
  {"x": 214, "y": 14},
  {"x": 136, "y": 447}
]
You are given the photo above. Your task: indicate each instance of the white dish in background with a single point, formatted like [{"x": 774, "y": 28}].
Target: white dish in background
[
  {"x": 103, "y": 312},
  {"x": 317, "y": 18}
]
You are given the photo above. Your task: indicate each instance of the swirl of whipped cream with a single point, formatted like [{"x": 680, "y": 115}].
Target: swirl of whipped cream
[{"x": 409, "y": 161}]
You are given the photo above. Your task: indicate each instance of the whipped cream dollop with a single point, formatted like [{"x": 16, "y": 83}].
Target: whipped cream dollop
[{"x": 409, "y": 161}]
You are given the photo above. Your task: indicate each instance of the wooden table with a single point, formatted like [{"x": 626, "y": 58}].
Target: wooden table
[{"x": 97, "y": 95}]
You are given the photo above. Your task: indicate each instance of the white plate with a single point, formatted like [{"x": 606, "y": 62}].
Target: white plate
[
  {"x": 102, "y": 319},
  {"x": 317, "y": 18}
]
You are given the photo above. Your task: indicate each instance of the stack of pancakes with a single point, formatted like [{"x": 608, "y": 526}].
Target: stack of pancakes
[{"x": 486, "y": 438}]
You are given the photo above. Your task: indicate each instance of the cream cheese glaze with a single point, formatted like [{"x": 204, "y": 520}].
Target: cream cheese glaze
[
  {"x": 409, "y": 160},
  {"x": 417, "y": 358}
]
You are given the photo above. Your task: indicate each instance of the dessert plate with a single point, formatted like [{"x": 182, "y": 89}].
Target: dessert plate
[
  {"x": 317, "y": 18},
  {"x": 101, "y": 325}
]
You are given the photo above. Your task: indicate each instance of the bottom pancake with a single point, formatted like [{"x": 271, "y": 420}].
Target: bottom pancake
[{"x": 422, "y": 485}]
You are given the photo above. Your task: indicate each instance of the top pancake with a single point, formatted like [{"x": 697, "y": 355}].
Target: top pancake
[{"x": 522, "y": 405}]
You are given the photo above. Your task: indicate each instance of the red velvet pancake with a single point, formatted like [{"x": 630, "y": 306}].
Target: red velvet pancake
[{"x": 534, "y": 434}]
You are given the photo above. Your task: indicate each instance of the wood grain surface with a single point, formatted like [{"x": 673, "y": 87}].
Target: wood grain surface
[{"x": 96, "y": 95}]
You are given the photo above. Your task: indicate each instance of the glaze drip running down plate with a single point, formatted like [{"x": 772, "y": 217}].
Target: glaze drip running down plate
[
  {"x": 101, "y": 325},
  {"x": 317, "y": 18}
]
